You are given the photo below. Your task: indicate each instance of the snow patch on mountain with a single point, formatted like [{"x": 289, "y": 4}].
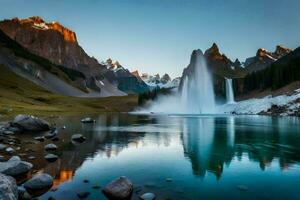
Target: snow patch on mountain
[{"x": 279, "y": 105}]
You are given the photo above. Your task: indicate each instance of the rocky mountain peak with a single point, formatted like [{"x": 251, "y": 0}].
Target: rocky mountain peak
[
  {"x": 237, "y": 63},
  {"x": 213, "y": 52},
  {"x": 165, "y": 78},
  {"x": 36, "y": 19},
  {"x": 38, "y": 23},
  {"x": 136, "y": 74},
  {"x": 52, "y": 41},
  {"x": 281, "y": 51},
  {"x": 262, "y": 52}
]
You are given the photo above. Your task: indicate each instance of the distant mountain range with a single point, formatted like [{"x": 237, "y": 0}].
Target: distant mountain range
[{"x": 49, "y": 55}]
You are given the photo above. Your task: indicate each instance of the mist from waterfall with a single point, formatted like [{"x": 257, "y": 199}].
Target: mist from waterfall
[
  {"x": 196, "y": 95},
  {"x": 197, "y": 91},
  {"x": 229, "y": 91}
]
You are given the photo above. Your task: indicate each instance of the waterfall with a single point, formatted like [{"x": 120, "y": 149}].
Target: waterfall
[
  {"x": 197, "y": 91},
  {"x": 229, "y": 91}
]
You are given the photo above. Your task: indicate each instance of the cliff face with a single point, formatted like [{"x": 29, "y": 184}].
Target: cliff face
[
  {"x": 52, "y": 41},
  {"x": 220, "y": 67}
]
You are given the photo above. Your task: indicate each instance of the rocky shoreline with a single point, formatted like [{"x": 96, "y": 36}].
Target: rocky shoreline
[{"x": 21, "y": 179}]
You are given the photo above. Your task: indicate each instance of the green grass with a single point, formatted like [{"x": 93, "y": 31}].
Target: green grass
[{"x": 21, "y": 96}]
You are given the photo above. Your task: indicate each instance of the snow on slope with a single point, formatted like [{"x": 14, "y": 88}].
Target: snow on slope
[{"x": 263, "y": 105}]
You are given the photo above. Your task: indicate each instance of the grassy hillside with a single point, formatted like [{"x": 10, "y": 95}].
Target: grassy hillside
[{"x": 18, "y": 95}]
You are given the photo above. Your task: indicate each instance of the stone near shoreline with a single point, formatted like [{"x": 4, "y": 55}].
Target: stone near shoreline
[
  {"x": 51, "y": 157},
  {"x": 30, "y": 123},
  {"x": 41, "y": 181},
  {"x": 15, "y": 166},
  {"x": 8, "y": 188},
  {"x": 78, "y": 138},
  {"x": 40, "y": 138},
  {"x": 87, "y": 120},
  {"x": 50, "y": 147},
  {"x": 119, "y": 189}
]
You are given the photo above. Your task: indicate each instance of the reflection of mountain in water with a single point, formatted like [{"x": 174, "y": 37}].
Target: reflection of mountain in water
[
  {"x": 210, "y": 143},
  {"x": 103, "y": 142}
]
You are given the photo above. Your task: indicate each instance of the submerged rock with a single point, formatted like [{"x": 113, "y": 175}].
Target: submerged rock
[
  {"x": 50, "y": 147},
  {"x": 242, "y": 187},
  {"x": 51, "y": 157},
  {"x": 87, "y": 120},
  {"x": 15, "y": 166},
  {"x": 39, "y": 182},
  {"x": 119, "y": 189},
  {"x": 8, "y": 188},
  {"x": 147, "y": 196},
  {"x": 83, "y": 195},
  {"x": 78, "y": 138},
  {"x": 30, "y": 123}
]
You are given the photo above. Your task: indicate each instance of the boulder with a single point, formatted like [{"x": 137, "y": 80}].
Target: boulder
[
  {"x": 8, "y": 188},
  {"x": 30, "y": 123},
  {"x": 39, "y": 182},
  {"x": 119, "y": 189},
  {"x": 15, "y": 166},
  {"x": 78, "y": 138},
  {"x": 50, "y": 147}
]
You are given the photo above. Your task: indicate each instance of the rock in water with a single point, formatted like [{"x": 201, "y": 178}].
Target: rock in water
[
  {"x": 10, "y": 150},
  {"x": 8, "y": 188},
  {"x": 51, "y": 157},
  {"x": 15, "y": 166},
  {"x": 87, "y": 120},
  {"x": 119, "y": 189},
  {"x": 148, "y": 196},
  {"x": 39, "y": 182},
  {"x": 78, "y": 138},
  {"x": 40, "y": 138},
  {"x": 30, "y": 123},
  {"x": 83, "y": 195},
  {"x": 50, "y": 147}
]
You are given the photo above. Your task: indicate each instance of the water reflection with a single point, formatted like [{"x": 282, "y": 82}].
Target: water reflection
[{"x": 210, "y": 143}]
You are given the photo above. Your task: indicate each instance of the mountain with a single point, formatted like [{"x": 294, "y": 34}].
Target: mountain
[
  {"x": 155, "y": 81},
  {"x": 127, "y": 81},
  {"x": 280, "y": 73},
  {"x": 59, "y": 45},
  {"x": 51, "y": 41},
  {"x": 264, "y": 58},
  {"x": 55, "y": 78},
  {"x": 220, "y": 66}
]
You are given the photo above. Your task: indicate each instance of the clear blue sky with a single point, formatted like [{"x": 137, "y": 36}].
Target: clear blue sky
[{"x": 158, "y": 36}]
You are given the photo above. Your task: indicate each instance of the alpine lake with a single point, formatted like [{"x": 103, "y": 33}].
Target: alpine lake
[{"x": 178, "y": 157}]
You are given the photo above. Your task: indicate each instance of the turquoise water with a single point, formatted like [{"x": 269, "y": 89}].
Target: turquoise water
[{"x": 207, "y": 157}]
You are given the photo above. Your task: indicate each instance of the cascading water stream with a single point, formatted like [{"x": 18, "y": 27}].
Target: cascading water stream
[
  {"x": 229, "y": 91},
  {"x": 197, "y": 91}
]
